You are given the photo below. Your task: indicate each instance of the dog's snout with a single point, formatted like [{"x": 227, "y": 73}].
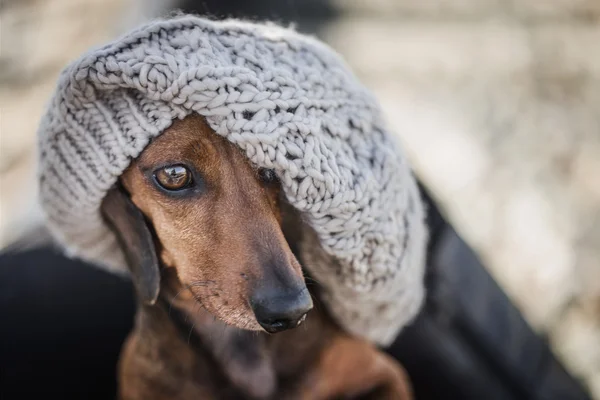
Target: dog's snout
[{"x": 282, "y": 310}]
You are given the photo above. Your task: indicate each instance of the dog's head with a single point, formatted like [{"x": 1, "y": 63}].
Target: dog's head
[{"x": 191, "y": 205}]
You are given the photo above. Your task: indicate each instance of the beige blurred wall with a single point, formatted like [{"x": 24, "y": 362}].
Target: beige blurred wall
[{"x": 496, "y": 101}]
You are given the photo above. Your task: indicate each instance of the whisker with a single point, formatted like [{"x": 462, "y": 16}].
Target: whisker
[
  {"x": 316, "y": 302},
  {"x": 224, "y": 328},
  {"x": 190, "y": 334},
  {"x": 195, "y": 307},
  {"x": 174, "y": 298},
  {"x": 309, "y": 279}
]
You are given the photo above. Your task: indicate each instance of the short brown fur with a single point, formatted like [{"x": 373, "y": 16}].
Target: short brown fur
[{"x": 213, "y": 247}]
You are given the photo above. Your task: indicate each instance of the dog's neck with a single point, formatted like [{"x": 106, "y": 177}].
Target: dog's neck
[{"x": 242, "y": 355}]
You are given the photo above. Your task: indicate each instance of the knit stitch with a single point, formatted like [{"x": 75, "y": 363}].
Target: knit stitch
[{"x": 292, "y": 105}]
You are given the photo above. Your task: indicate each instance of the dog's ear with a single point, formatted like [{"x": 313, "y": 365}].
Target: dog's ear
[{"x": 136, "y": 240}]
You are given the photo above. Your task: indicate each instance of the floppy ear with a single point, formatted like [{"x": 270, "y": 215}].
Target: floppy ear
[{"x": 134, "y": 235}]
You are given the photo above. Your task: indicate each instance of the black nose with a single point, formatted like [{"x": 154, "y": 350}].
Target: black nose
[{"x": 276, "y": 312}]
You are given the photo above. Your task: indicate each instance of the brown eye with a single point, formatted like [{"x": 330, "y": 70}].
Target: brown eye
[
  {"x": 174, "y": 177},
  {"x": 267, "y": 175}
]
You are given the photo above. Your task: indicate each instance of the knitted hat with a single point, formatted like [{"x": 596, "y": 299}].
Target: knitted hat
[{"x": 292, "y": 105}]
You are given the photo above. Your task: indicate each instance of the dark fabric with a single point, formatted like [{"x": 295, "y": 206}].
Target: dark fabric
[
  {"x": 61, "y": 327},
  {"x": 470, "y": 341}
]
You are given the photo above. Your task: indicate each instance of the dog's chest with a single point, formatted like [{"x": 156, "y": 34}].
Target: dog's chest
[{"x": 223, "y": 363}]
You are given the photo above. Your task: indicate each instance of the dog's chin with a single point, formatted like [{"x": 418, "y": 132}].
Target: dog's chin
[
  {"x": 248, "y": 324},
  {"x": 237, "y": 317}
]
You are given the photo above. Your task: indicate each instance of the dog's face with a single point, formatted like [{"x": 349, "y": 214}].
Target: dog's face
[{"x": 217, "y": 224}]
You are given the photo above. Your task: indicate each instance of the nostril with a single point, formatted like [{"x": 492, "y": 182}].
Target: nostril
[
  {"x": 278, "y": 313},
  {"x": 278, "y": 325}
]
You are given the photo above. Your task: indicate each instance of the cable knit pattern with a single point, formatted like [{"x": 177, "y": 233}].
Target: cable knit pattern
[{"x": 292, "y": 105}]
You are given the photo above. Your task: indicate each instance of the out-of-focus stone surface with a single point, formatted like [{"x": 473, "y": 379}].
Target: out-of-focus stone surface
[
  {"x": 498, "y": 106},
  {"x": 496, "y": 101}
]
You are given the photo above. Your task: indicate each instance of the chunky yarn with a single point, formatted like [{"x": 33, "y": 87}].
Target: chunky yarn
[{"x": 292, "y": 105}]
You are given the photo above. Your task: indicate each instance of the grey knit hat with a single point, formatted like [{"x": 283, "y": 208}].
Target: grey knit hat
[{"x": 292, "y": 105}]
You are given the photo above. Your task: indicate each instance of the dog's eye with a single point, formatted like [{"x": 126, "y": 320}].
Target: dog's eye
[
  {"x": 267, "y": 175},
  {"x": 174, "y": 177}
]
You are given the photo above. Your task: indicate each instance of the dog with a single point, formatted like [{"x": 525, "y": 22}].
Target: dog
[{"x": 224, "y": 306}]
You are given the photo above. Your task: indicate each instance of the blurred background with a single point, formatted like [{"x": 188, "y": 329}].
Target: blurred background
[{"x": 497, "y": 103}]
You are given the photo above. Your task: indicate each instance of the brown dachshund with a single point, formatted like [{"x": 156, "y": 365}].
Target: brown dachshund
[{"x": 203, "y": 232}]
